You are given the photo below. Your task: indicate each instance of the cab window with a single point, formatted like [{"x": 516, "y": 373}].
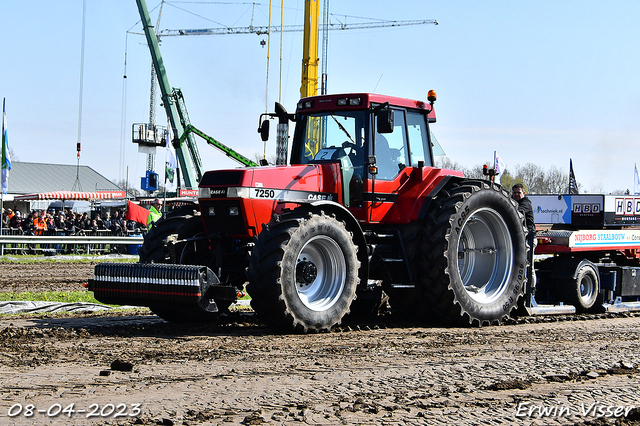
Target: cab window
[
  {"x": 326, "y": 136},
  {"x": 418, "y": 141}
]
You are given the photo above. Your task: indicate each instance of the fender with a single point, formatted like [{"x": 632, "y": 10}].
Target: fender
[{"x": 438, "y": 188}]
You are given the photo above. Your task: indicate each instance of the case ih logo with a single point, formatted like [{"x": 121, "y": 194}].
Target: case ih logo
[
  {"x": 586, "y": 208},
  {"x": 627, "y": 206}
]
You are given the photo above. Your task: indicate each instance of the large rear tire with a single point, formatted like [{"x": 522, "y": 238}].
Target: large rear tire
[
  {"x": 182, "y": 223},
  {"x": 303, "y": 272},
  {"x": 477, "y": 253}
]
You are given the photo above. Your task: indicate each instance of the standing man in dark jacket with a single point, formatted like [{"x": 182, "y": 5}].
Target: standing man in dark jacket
[{"x": 526, "y": 208}]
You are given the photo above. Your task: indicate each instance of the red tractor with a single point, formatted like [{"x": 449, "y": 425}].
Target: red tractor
[{"x": 360, "y": 211}]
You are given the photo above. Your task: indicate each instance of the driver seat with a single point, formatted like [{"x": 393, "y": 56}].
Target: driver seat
[{"x": 387, "y": 168}]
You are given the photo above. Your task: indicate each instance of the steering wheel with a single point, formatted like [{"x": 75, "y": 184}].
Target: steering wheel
[{"x": 356, "y": 151}]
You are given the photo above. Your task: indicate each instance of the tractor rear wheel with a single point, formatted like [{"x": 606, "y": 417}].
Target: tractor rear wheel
[
  {"x": 477, "y": 253},
  {"x": 152, "y": 250},
  {"x": 183, "y": 223},
  {"x": 303, "y": 272}
]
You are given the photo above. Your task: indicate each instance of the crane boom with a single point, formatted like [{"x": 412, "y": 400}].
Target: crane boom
[
  {"x": 169, "y": 101},
  {"x": 222, "y": 147},
  {"x": 176, "y": 110},
  {"x": 260, "y": 30}
]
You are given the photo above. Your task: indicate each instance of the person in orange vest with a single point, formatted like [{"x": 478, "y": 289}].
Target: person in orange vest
[{"x": 39, "y": 223}]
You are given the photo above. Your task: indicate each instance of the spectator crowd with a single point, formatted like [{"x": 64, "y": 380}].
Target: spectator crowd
[{"x": 66, "y": 222}]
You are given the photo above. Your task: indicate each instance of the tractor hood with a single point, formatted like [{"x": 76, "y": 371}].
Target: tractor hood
[
  {"x": 240, "y": 201},
  {"x": 284, "y": 183}
]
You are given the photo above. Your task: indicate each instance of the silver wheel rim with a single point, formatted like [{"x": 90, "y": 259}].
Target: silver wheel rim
[
  {"x": 586, "y": 287},
  {"x": 485, "y": 255},
  {"x": 325, "y": 256}
]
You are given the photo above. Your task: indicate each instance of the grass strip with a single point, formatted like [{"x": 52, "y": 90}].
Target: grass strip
[
  {"x": 50, "y": 296},
  {"x": 59, "y": 296}
]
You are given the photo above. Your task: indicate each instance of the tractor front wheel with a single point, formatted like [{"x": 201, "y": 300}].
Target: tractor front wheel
[{"x": 303, "y": 272}]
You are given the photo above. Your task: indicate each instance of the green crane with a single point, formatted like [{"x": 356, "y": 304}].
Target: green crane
[{"x": 173, "y": 101}]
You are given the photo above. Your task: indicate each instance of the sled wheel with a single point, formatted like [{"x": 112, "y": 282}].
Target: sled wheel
[{"x": 583, "y": 290}]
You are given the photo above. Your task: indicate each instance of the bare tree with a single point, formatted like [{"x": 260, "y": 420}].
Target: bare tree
[
  {"x": 535, "y": 179},
  {"x": 557, "y": 182},
  {"x": 597, "y": 188},
  {"x": 130, "y": 189},
  {"x": 531, "y": 176},
  {"x": 471, "y": 173},
  {"x": 271, "y": 158},
  {"x": 620, "y": 192}
]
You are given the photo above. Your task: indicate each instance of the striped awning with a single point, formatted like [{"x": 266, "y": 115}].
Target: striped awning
[{"x": 71, "y": 195}]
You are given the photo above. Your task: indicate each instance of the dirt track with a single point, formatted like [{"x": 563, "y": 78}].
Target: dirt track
[
  {"x": 47, "y": 276},
  {"x": 380, "y": 372}
]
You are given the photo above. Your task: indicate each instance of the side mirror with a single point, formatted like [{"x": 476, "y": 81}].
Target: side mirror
[
  {"x": 264, "y": 130},
  {"x": 385, "y": 121}
]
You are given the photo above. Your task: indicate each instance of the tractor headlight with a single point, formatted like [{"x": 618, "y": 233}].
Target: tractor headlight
[
  {"x": 238, "y": 192},
  {"x": 349, "y": 101},
  {"x": 305, "y": 104}
]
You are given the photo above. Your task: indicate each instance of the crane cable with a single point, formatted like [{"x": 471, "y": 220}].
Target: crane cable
[
  {"x": 266, "y": 94},
  {"x": 281, "y": 28},
  {"x": 84, "y": 13},
  {"x": 77, "y": 186},
  {"x": 123, "y": 112}
]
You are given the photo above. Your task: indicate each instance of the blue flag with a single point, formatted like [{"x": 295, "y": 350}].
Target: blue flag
[{"x": 6, "y": 158}]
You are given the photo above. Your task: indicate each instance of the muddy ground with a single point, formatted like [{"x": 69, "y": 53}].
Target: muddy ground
[{"x": 133, "y": 368}]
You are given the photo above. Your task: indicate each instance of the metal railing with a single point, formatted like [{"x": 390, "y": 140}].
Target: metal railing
[{"x": 86, "y": 241}]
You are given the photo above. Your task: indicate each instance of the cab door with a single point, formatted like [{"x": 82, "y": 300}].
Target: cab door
[{"x": 396, "y": 154}]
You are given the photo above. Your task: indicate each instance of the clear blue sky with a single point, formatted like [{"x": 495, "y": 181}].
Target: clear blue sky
[{"x": 537, "y": 81}]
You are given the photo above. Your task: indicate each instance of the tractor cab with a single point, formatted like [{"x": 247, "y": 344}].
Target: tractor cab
[{"x": 372, "y": 137}]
